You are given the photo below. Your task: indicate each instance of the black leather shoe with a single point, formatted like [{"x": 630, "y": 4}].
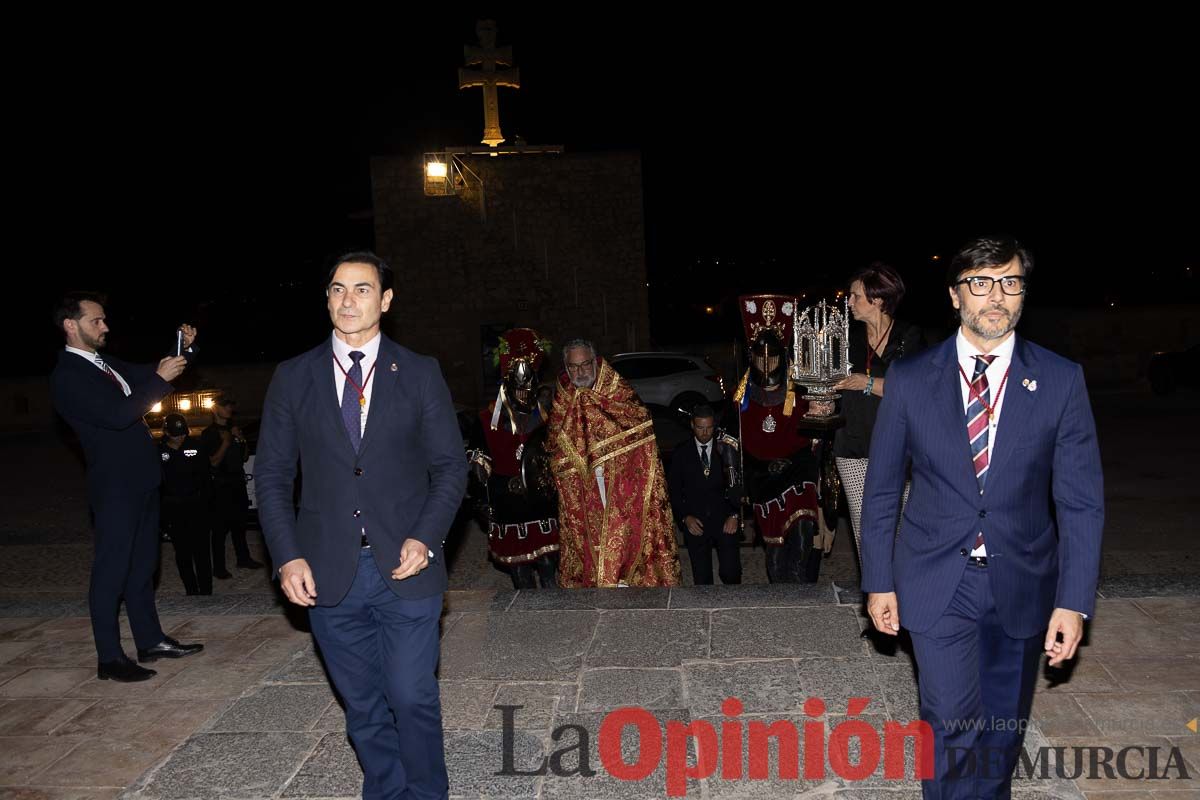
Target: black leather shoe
[
  {"x": 249, "y": 563},
  {"x": 123, "y": 670},
  {"x": 223, "y": 575},
  {"x": 168, "y": 648}
]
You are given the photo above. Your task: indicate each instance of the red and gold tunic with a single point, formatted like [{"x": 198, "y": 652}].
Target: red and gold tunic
[{"x": 630, "y": 539}]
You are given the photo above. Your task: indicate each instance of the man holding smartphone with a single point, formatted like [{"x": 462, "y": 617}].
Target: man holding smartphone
[{"x": 104, "y": 400}]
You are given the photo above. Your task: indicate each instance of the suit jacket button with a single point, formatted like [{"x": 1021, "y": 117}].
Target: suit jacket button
[
  {"x": 357, "y": 513},
  {"x": 963, "y": 552},
  {"x": 982, "y": 513},
  {"x": 357, "y": 471}
]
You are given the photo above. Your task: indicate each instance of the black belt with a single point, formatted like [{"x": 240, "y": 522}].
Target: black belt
[
  {"x": 979, "y": 561},
  {"x": 365, "y": 543}
]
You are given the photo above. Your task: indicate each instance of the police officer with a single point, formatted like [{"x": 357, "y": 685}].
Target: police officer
[
  {"x": 227, "y": 452},
  {"x": 186, "y": 493}
]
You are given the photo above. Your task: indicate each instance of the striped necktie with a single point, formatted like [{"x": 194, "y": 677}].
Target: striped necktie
[
  {"x": 108, "y": 371},
  {"x": 978, "y": 423}
]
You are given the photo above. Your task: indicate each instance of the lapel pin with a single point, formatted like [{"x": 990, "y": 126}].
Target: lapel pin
[
  {"x": 394, "y": 368},
  {"x": 1025, "y": 382},
  {"x": 1031, "y": 385}
]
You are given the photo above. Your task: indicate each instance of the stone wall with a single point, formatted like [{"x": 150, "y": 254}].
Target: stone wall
[{"x": 562, "y": 249}]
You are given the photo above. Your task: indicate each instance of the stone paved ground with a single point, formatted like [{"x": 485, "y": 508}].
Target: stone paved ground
[{"x": 254, "y": 717}]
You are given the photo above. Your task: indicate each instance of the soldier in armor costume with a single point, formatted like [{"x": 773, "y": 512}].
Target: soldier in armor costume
[
  {"x": 522, "y": 507},
  {"x": 779, "y": 460}
]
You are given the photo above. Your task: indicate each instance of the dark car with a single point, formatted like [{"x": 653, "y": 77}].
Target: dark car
[{"x": 1169, "y": 371}]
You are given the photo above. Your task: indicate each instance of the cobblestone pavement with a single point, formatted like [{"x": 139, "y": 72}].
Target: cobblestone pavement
[{"x": 253, "y": 716}]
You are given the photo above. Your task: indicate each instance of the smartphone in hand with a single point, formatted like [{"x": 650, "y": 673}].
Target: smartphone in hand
[{"x": 178, "y": 343}]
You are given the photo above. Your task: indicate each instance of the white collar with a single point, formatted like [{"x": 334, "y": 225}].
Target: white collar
[
  {"x": 968, "y": 351},
  {"x": 370, "y": 350},
  {"x": 90, "y": 356}
]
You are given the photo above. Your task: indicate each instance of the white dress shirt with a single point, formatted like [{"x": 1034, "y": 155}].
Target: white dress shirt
[
  {"x": 91, "y": 357},
  {"x": 995, "y": 375},
  {"x": 341, "y": 351}
]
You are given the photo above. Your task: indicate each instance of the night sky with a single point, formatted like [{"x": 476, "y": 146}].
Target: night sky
[{"x": 208, "y": 168}]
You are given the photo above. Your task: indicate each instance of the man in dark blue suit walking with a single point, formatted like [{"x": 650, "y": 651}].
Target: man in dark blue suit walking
[
  {"x": 104, "y": 400},
  {"x": 384, "y": 473},
  {"x": 998, "y": 552}
]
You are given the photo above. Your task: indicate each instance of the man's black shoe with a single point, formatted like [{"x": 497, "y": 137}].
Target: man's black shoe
[
  {"x": 223, "y": 575},
  {"x": 249, "y": 563},
  {"x": 123, "y": 670},
  {"x": 168, "y": 648}
]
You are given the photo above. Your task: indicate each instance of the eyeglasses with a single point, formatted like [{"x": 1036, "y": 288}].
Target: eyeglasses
[
  {"x": 981, "y": 285},
  {"x": 581, "y": 366}
]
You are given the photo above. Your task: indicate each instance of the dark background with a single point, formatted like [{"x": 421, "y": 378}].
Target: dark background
[{"x": 207, "y": 165}]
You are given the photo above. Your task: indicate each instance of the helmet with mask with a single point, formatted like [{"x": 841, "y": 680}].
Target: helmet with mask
[
  {"x": 519, "y": 354},
  {"x": 767, "y": 320}
]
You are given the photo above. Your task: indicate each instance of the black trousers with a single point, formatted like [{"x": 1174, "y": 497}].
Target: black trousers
[
  {"x": 186, "y": 519},
  {"x": 729, "y": 557},
  {"x": 797, "y": 560},
  {"x": 126, "y": 556},
  {"x": 545, "y": 568},
  {"x": 229, "y": 518}
]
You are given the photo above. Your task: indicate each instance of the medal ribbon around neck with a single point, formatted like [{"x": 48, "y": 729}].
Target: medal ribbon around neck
[{"x": 362, "y": 397}]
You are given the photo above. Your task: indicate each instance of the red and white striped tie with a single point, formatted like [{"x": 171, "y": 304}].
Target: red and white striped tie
[
  {"x": 978, "y": 422},
  {"x": 112, "y": 376}
]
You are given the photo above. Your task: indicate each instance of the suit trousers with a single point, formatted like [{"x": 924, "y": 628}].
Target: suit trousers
[
  {"x": 123, "y": 566},
  {"x": 382, "y": 654},
  {"x": 976, "y": 687},
  {"x": 729, "y": 556}
]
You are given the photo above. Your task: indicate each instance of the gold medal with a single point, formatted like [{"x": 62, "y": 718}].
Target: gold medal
[
  {"x": 707, "y": 471},
  {"x": 362, "y": 401}
]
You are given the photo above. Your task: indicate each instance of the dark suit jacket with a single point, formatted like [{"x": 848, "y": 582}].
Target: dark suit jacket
[
  {"x": 121, "y": 453},
  {"x": 692, "y": 494},
  {"x": 1042, "y": 514},
  {"x": 406, "y": 480}
]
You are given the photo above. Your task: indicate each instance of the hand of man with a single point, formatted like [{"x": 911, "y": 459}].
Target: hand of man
[
  {"x": 171, "y": 367},
  {"x": 297, "y": 581},
  {"x": 236, "y": 432},
  {"x": 731, "y": 525},
  {"x": 414, "y": 557},
  {"x": 695, "y": 527},
  {"x": 856, "y": 382},
  {"x": 1070, "y": 625},
  {"x": 189, "y": 335},
  {"x": 884, "y": 612}
]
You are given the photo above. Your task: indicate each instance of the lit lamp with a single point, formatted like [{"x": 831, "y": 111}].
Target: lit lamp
[
  {"x": 446, "y": 174},
  {"x": 437, "y": 175},
  {"x": 185, "y": 404},
  {"x": 207, "y": 402},
  {"x": 156, "y": 408}
]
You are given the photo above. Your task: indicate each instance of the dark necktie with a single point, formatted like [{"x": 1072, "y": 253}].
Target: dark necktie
[
  {"x": 704, "y": 457},
  {"x": 352, "y": 408}
]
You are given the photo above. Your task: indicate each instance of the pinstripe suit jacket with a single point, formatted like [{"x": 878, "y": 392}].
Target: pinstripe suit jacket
[{"x": 1042, "y": 514}]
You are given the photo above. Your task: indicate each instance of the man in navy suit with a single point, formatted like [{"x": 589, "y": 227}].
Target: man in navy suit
[
  {"x": 104, "y": 401},
  {"x": 384, "y": 472},
  {"x": 998, "y": 552},
  {"x": 697, "y": 485}
]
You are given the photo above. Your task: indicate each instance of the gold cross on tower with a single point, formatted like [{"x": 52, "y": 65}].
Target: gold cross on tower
[{"x": 487, "y": 56}]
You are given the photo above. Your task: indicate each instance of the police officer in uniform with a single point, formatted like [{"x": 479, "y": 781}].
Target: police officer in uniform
[{"x": 186, "y": 493}]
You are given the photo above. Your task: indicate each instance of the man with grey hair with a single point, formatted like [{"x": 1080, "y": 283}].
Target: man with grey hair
[{"x": 616, "y": 526}]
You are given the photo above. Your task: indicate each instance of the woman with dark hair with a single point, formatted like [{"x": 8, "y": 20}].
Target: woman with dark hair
[{"x": 875, "y": 343}]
